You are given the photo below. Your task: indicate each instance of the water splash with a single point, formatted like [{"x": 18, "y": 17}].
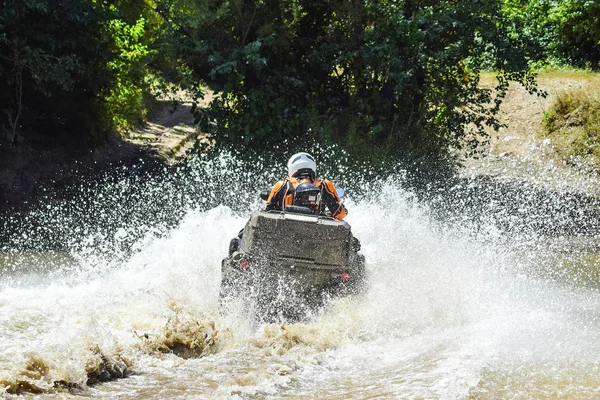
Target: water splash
[{"x": 457, "y": 306}]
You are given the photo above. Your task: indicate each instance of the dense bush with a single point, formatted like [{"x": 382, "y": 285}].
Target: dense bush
[
  {"x": 573, "y": 123},
  {"x": 70, "y": 68},
  {"x": 382, "y": 77},
  {"x": 566, "y": 31},
  {"x": 379, "y": 77}
]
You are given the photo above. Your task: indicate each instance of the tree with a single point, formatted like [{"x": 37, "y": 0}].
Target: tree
[
  {"x": 390, "y": 75},
  {"x": 72, "y": 68},
  {"x": 565, "y": 31}
]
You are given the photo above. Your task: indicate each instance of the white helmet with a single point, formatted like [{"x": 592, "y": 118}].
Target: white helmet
[{"x": 301, "y": 161}]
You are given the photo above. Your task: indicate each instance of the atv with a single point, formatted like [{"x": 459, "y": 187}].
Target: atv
[{"x": 285, "y": 264}]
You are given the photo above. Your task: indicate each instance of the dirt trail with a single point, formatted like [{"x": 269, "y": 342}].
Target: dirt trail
[
  {"x": 170, "y": 132},
  {"x": 519, "y": 151}
]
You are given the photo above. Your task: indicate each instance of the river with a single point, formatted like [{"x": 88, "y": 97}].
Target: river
[{"x": 457, "y": 310}]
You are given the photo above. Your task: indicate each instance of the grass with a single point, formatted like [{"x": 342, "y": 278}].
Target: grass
[
  {"x": 488, "y": 78},
  {"x": 572, "y": 121},
  {"x": 579, "y": 74}
]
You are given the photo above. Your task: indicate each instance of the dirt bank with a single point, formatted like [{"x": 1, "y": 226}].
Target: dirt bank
[{"x": 521, "y": 152}]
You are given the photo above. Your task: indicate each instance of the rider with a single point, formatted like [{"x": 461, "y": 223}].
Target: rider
[{"x": 302, "y": 188}]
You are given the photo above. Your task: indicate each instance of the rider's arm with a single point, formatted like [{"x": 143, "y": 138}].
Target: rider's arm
[
  {"x": 333, "y": 201},
  {"x": 275, "y": 199}
]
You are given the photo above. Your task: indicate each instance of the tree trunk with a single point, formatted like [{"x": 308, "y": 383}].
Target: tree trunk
[{"x": 14, "y": 113}]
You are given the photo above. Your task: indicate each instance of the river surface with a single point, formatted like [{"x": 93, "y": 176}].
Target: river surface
[{"x": 453, "y": 311}]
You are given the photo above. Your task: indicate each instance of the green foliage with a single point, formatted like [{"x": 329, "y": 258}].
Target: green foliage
[
  {"x": 50, "y": 46},
  {"x": 125, "y": 99},
  {"x": 383, "y": 77},
  {"x": 377, "y": 77},
  {"x": 82, "y": 64},
  {"x": 568, "y": 31}
]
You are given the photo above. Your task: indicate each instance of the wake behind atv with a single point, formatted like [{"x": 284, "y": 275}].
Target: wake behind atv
[{"x": 287, "y": 264}]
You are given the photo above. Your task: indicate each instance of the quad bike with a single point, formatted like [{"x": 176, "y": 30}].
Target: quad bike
[{"x": 286, "y": 263}]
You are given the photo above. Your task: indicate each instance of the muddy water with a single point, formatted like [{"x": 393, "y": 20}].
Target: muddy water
[{"x": 452, "y": 311}]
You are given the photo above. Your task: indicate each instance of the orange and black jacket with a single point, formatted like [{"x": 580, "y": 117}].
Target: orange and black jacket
[{"x": 282, "y": 195}]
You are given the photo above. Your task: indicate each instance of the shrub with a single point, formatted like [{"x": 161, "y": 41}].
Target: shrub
[
  {"x": 377, "y": 77},
  {"x": 573, "y": 122}
]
